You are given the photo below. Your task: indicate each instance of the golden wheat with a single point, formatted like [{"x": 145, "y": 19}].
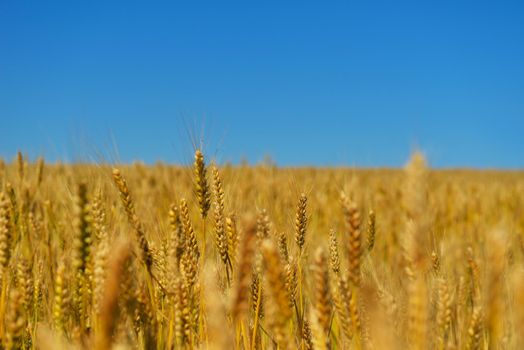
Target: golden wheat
[{"x": 437, "y": 262}]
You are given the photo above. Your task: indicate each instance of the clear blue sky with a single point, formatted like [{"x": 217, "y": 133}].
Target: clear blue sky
[{"x": 327, "y": 83}]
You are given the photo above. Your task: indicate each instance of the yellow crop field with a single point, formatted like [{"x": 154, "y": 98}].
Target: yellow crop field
[{"x": 211, "y": 256}]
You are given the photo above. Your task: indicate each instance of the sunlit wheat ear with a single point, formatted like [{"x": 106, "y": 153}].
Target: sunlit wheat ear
[
  {"x": 474, "y": 334},
  {"x": 257, "y": 294},
  {"x": 20, "y": 163},
  {"x": 334, "y": 256},
  {"x": 101, "y": 249},
  {"x": 129, "y": 207},
  {"x": 301, "y": 221},
  {"x": 220, "y": 232},
  {"x": 263, "y": 231},
  {"x": 240, "y": 301},
  {"x": 201, "y": 185},
  {"x": 24, "y": 283},
  {"x": 5, "y": 234},
  {"x": 435, "y": 262},
  {"x": 100, "y": 270},
  {"x": 444, "y": 312},
  {"x": 191, "y": 255},
  {"x": 282, "y": 246},
  {"x": 291, "y": 271},
  {"x": 307, "y": 337},
  {"x": 60, "y": 299},
  {"x": 232, "y": 237},
  {"x": 263, "y": 225},
  {"x": 109, "y": 308},
  {"x": 353, "y": 222},
  {"x": 40, "y": 171},
  {"x": 474, "y": 274},
  {"x": 342, "y": 299},
  {"x": 98, "y": 214},
  {"x": 14, "y": 212},
  {"x": 177, "y": 239},
  {"x": 39, "y": 288},
  {"x": 81, "y": 255},
  {"x": 182, "y": 312},
  {"x": 371, "y": 230}
]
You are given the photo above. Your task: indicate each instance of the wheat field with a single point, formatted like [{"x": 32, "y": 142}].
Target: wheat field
[{"x": 205, "y": 256}]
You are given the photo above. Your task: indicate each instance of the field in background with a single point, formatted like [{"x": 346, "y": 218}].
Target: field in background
[{"x": 166, "y": 257}]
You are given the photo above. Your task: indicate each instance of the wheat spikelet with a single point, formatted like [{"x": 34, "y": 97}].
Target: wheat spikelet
[
  {"x": 334, "y": 257},
  {"x": 13, "y": 207},
  {"x": 444, "y": 310},
  {"x": 435, "y": 262},
  {"x": 448, "y": 274},
  {"x": 20, "y": 163},
  {"x": 263, "y": 225},
  {"x": 177, "y": 240},
  {"x": 475, "y": 330},
  {"x": 60, "y": 300},
  {"x": 182, "y": 308},
  {"x": 5, "y": 234},
  {"x": 191, "y": 255},
  {"x": 232, "y": 237},
  {"x": 307, "y": 337},
  {"x": 195, "y": 312},
  {"x": 371, "y": 230},
  {"x": 282, "y": 246},
  {"x": 257, "y": 294},
  {"x": 474, "y": 274},
  {"x": 342, "y": 299},
  {"x": 39, "y": 288},
  {"x": 220, "y": 233},
  {"x": 40, "y": 171},
  {"x": 301, "y": 221},
  {"x": 201, "y": 185},
  {"x": 24, "y": 283},
  {"x": 82, "y": 256},
  {"x": 129, "y": 207},
  {"x": 291, "y": 271},
  {"x": 98, "y": 215},
  {"x": 353, "y": 221},
  {"x": 101, "y": 250}
]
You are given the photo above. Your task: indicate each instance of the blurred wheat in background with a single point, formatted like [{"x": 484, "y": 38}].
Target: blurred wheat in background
[{"x": 259, "y": 257}]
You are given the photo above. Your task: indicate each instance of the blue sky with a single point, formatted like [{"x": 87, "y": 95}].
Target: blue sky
[{"x": 309, "y": 83}]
